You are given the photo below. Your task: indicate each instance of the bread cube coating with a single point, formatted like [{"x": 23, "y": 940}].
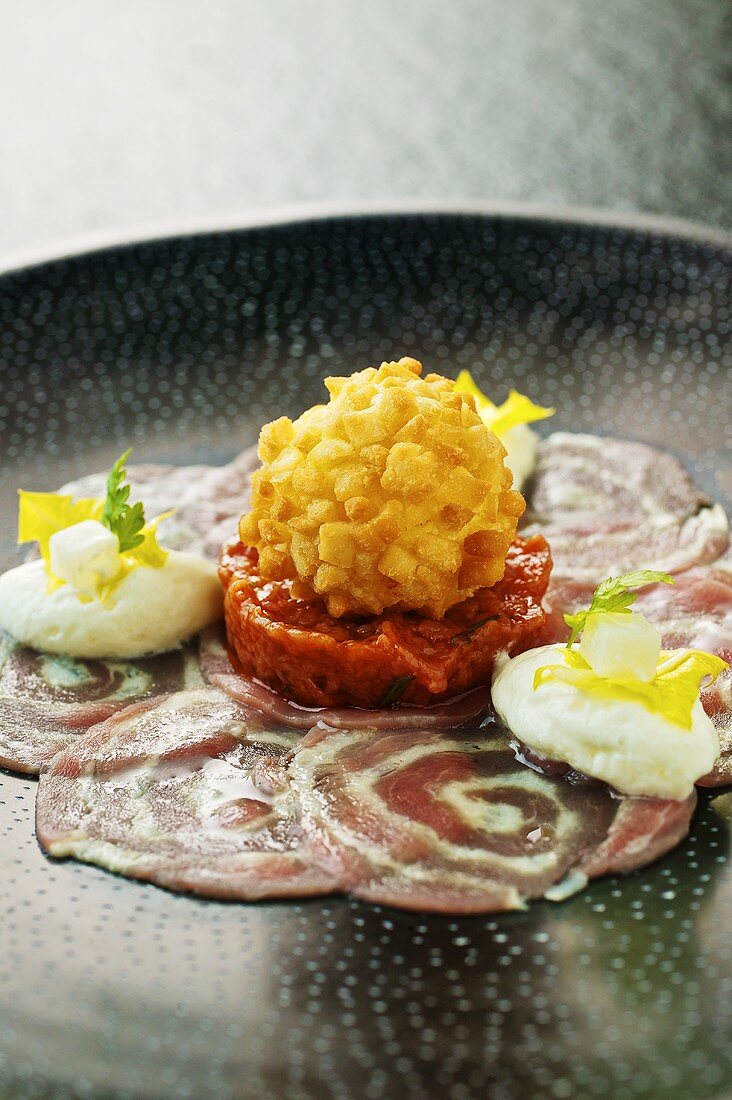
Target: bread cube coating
[{"x": 393, "y": 495}]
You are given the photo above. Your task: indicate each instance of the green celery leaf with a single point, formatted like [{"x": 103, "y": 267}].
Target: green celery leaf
[
  {"x": 125, "y": 520},
  {"x": 614, "y": 595}
]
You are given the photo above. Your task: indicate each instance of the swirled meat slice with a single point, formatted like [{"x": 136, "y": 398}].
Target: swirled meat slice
[
  {"x": 607, "y": 506},
  {"x": 208, "y": 500},
  {"x": 186, "y": 792},
  {"x": 454, "y": 823},
  {"x": 47, "y": 701},
  {"x": 693, "y": 613},
  {"x": 471, "y": 707},
  {"x": 643, "y": 830}
]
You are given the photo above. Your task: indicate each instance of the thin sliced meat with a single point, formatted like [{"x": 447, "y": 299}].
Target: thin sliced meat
[
  {"x": 585, "y": 477},
  {"x": 47, "y": 701},
  {"x": 471, "y": 707},
  {"x": 607, "y": 506},
  {"x": 186, "y": 792},
  {"x": 640, "y": 826},
  {"x": 208, "y": 500},
  {"x": 693, "y": 613},
  {"x": 454, "y": 823},
  {"x": 643, "y": 830},
  {"x": 696, "y": 613},
  {"x": 192, "y": 793}
]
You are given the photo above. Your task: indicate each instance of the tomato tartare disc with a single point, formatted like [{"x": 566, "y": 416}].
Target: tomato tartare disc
[{"x": 295, "y": 646}]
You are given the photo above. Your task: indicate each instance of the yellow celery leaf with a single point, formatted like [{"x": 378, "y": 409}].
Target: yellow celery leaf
[
  {"x": 465, "y": 383},
  {"x": 106, "y": 591},
  {"x": 516, "y": 409},
  {"x": 53, "y": 583},
  {"x": 150, "y": 552},
  {"x": 41, "y": 515},
  {"x": 671, "y": 693}
]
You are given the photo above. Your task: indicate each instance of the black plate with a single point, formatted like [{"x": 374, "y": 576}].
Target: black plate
[{"x": 182, "y": 347}]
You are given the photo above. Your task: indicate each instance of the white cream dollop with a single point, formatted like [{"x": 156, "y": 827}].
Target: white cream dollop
[
  {"x": 150, "y": 611},
  {"x": 521, "y": 443},
  {"x": 622, "y": 743}
]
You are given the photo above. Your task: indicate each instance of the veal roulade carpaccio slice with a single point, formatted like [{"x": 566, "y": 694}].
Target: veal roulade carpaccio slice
[
  {"x": 454, "y": 823},
  {"x": 696, "y": 613},
  {"x": 207, "y": 501},
  {"x": 186, "y": 792},
  {"x": 608, "y": 506},
  {"x": 469, "y": 708},
  {"x": 47, "y": 701}
]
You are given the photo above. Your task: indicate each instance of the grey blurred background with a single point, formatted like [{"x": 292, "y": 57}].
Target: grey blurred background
[{"x": 117, "y": 118}]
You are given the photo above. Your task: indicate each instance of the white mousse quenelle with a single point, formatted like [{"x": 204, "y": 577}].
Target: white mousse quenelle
[
  {"x": 103, "y": 586},
  {"x": 617, "y": 708}
]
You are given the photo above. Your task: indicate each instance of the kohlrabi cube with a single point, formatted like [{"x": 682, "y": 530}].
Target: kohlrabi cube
[
  {"x": 621, "y": 646},
  {"x": 85, "y": 555}
]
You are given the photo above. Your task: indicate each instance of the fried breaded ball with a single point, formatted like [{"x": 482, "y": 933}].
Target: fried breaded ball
[{"x": 393, "y": 495}]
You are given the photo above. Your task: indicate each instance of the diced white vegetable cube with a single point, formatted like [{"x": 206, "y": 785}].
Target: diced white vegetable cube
[
  {"x": 621, "y": 646},
  {"x": 85, "y": 555}
]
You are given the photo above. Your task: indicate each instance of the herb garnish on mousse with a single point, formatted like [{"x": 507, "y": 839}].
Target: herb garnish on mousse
[
  {"x": 103, "y": 586},
  {"x": 618, "y": 707}
]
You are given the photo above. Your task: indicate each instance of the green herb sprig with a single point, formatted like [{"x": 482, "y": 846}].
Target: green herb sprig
[
  {"x": 123, "y": 519},
  {"x": 614, "y": 595},
  {"x": 393, "y": 694},
  {"x": 467, "y": 634}
]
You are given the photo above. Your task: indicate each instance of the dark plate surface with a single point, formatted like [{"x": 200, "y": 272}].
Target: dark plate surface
[{"x": 182, "y": 347}]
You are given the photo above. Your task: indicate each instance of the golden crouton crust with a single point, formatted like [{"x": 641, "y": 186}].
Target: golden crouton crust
[{"x": 394, "y": 495}]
